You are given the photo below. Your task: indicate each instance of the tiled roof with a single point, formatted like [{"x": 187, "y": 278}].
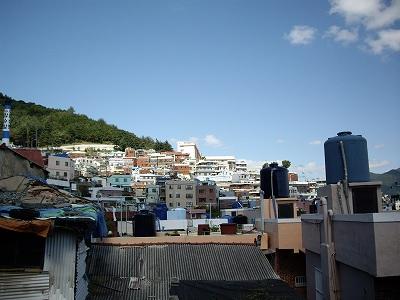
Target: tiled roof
[
  {"x": 31, "y": 154},
  {"x": 113, "y": 268}
]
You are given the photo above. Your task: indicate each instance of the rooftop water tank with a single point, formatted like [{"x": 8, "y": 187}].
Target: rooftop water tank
[
  {"x": 144, "y": 224},
  {"x": 280, "y": 181},
  {"x": 355, "y": 157}
]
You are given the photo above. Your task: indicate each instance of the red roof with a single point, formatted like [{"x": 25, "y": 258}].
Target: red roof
[{"x": 31, "y": 154}]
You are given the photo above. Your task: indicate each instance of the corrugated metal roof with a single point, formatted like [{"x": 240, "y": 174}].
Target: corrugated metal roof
[
  {"x": 112, "y": 267},
  {"x": 24, "y": 286}
]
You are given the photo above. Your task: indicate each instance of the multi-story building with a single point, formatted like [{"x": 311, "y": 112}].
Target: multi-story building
[
  {"x": 207, "y": 193},
  {"x": 153, "y": 194},
  {"x": 121, "y": 181},
  {"x": 189, "y": 148},
  {"x": 180, "y": 193},
  {"x": 61, "y": 166},
  {"x": 241, "y": 166}
]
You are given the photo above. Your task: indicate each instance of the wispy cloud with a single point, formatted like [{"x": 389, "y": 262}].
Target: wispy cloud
[
  {"x": 376, "y": 164},
  {"x": 379, "y": 146},
  {"x": 385, "y": 40},
  {"x": 280, "y": 141},
  {"x": 301, "y": 35},
  {"x": 194, "y": 139},
  {"x": 212, "y": 140},
  {"x": 315, "y": 142},
  {"x": 340, "y": 35},
  {"x": 373, "y": 14},
  {"x": 309, "y": 170},
  {"x": 376, "y": 16}
]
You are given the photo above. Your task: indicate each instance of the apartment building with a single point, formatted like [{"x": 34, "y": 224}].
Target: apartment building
[
  {"x": 61, "y": 166},
  {"x": 189, "y": 148},
  {"x": 180, "y": 193},
  {"x": 207, "y": 193}
]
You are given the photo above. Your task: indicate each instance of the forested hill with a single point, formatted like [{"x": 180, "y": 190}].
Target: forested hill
[{"x": 55, "y": 127}]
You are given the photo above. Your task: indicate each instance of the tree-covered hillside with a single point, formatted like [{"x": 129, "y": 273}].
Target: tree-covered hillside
[
  {"x": 390, "y": 181},
  {"x": 55, "y": 127}
]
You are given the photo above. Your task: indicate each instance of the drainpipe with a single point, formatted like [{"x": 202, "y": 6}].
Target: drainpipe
[{"x": 327, "y": 257}]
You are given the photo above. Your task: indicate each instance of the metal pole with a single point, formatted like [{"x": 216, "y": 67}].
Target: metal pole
[
  {"x": 262, "y": 204},
  {"x": 121, "y": 217},
  {"x": 273, "y": 196}
]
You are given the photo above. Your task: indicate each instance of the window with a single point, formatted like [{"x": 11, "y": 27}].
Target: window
[
  {"x": 178, "y": 186},
  {"x": 233, "y": 214},
  {"x": 189, "y": 196},
  {"x": 188, "y": 204},
  {"x": 170, "y": 187},
  {"x": 202, "y": 199},
  {"x": 57, "y": 173},
  {"x": 171, "y": 204},
  {"x": 57, "y": 162},
  {"x": 178, "y": 196},
  {"x": 211, "y": 190},
  {"x": 125, "y": 179},
  {"x": 66, "y": 164},
  {"x": 189, "y": 187},
  {"x": 285, "y": 211},
  {"x": 170, "y": 195},
  {"x": 179, "y": 204},
  {"x": 300, "y": 281},
  {"x": 65, "y": 174},
  {"x": 116, "y": 179},
  {"x": 153, "y": 190},
  {"x": 201, "y": 191}
]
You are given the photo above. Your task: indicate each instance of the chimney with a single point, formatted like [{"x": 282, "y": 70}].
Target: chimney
[{"x": 6, "y": 123}]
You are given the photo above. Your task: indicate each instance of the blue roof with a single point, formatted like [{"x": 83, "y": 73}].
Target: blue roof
[{"x": 65, "y": 155}]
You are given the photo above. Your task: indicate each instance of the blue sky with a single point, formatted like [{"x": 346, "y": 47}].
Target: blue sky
[{"x": 261, "y": 80}]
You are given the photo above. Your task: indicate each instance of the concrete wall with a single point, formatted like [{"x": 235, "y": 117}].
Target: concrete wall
[
  {"x": 58, "y": 171},
  {"x": 284, "y": 234},
  {"x": 13, "y": 165},
  {"x": 353, "y": 283}
]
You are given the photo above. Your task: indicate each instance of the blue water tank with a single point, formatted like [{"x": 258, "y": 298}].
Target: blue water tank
[
  {"x": 280, "y": 181},
  {"x": 356, "y": 157}
]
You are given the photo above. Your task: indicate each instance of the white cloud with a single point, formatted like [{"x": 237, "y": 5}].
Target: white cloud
[
  {"x": 301, "y": 35},
  {"x": 373, "y": 14},
  {"x": 375, "y": 164},
  {"x": 344, "y": 36},
  {"x": 212, "y": 140},
  {"x": 280, "y": 141},
  {"x": 310, "y": 170},
  {"x": 316, "y": 142},
  {"x": 194, "y": 139},
  {"x": 379, "y": 146},
  {"x": 388, "y": 39}
]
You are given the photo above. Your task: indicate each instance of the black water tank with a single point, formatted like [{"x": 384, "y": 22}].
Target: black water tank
[
  {"x": 356, "y": 155},
  {"x": 240, "y": 219},
  {"x": 144, "y": 224},
  {"x": 280, "y": 181}
]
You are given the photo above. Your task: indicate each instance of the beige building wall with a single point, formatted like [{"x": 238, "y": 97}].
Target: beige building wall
[{"x": 179, "y": 193}]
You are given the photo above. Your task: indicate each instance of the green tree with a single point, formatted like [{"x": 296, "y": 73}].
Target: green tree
[{"x": 286, "y": 164}]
